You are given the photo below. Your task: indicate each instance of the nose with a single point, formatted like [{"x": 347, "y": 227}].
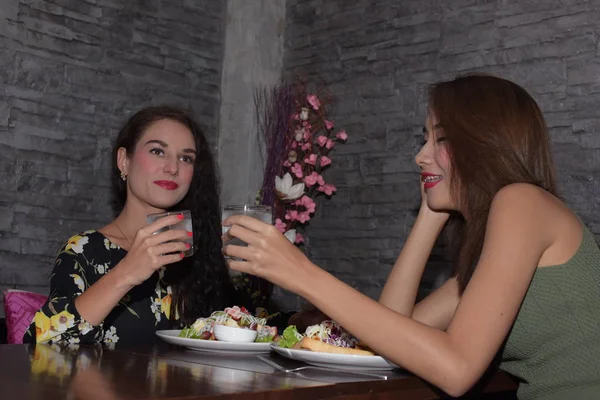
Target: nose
[
  {"x": 423, "y": 157},
  {"x": 171, "y": 166}
]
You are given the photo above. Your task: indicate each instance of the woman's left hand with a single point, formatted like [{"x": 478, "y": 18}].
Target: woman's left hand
[{"x": 269, "y": 254}]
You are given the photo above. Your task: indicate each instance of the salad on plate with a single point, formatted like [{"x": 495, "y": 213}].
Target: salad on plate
[
  {"x": 235, "y": 317},
  {"x": 326, "y": 337}
]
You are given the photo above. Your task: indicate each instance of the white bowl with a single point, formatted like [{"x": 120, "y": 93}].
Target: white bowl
[{"x": 235, "y": 335}]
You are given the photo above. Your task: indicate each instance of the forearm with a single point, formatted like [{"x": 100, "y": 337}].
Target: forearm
[
  {"x": 425, "y": 351},
  {"x": 98, "y": 300},
  {"x": 400, "y": 290}
]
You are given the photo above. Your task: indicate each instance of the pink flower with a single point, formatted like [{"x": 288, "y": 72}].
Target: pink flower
[
  {"x": 303, "y": 217},
  {"x": 313, "y": 101},
  {"x": 294, "y": 144},
  {"x": 329, "y": 144},
  {"x": 329, "y": 124},
  {"x": 322, "y": 140},
  {"x": 296, "y": 116},
  {"x": 291, "y": 215},
  {"x": 297, "y": 170},
  {"x": 327, "y": 189},
  {"x": 286, "y": 163},
  {"x": 310, "y": 180},
  {"x": 342, "y": 135},
  {"x": 299, "y": 238},
  {"x": 307, "y": 203},
  {"x": 306, "y": 146},
  {"x": 312, "y": 159},
  {"x": 314, "y": 178},
  {"x": 325, "y": 161},
  {"x": 280, "y": 225}
]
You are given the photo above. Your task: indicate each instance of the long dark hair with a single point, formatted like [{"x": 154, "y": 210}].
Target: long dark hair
[
  {"x": 201, "y": 283},
  {"x": 496, "y": 135}
]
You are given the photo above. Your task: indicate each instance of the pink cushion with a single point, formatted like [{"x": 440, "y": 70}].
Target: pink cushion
[{"x": 20, "y": 308}]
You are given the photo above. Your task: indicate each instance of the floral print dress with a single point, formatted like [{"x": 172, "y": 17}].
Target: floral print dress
[{"x": 82, "y": 261}]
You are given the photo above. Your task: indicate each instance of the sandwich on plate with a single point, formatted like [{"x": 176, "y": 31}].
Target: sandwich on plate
[{"x": 326, "y": 337}]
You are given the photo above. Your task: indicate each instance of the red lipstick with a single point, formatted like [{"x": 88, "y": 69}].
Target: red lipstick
[
  {"x": 168, "y": 185},
  {"x": 431, "y": 184}
]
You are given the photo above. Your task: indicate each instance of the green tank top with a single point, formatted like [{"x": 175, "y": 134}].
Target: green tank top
[{"x": 554, "y": 345}]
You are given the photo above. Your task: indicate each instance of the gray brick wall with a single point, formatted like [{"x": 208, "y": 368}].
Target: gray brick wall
[
  {"x": 378, "y": 57},
  {"x": 71, "y": 71}
]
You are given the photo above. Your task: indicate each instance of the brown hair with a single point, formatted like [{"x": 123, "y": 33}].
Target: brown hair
[{"x": 496, "y": 136}]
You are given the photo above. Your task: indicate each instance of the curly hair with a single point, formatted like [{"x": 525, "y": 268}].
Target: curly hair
[{"x": 201, "y": 283}]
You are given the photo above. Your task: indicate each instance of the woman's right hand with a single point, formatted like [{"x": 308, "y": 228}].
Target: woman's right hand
[
  {"x": 439, "y": 217},
  {"x": 400, "y": 290},
  {"x": 150, "y": 251}
]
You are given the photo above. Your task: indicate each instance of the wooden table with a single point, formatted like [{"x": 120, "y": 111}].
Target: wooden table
[{"x": 165, "y": 372}]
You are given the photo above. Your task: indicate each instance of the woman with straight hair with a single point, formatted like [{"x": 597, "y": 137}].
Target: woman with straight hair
[{"x": 526, "y": 286}]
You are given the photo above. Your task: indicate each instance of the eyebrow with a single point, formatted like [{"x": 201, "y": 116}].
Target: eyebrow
[
  {"x": 163, "y": 144},
  {"x": 435, "y": 127}
]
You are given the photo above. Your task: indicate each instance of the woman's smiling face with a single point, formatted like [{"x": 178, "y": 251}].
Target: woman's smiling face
[{"x": 435, "y": 163}]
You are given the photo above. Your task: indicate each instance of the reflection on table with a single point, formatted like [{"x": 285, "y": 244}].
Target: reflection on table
[{"x": 164, "y": 372}]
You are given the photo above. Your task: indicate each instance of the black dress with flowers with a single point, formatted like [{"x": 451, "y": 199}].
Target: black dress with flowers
[{"x": 82, "y": 261}]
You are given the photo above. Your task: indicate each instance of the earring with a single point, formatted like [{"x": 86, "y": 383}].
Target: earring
[{"x": 123, "y": 176}]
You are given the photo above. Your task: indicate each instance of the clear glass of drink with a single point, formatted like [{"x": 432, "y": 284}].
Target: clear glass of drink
[
  {"x": 260, "y": 212},
  {"x": 185, "y": 224}
]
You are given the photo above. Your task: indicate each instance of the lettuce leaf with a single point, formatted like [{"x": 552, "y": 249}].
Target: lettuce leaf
[
  {"x": 290, "y": 337},
  {"x": 189, "y": 333},
  {"x": 264, "y": 339}
]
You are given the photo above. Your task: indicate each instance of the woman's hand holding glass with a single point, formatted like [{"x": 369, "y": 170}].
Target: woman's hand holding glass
[
  {"x": 151, "y": 251},
  {"x": 269, "y": 254}
]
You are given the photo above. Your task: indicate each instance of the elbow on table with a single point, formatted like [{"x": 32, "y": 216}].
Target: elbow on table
[
  {"x": 456, "y": 389},
  {"x": 459, "y": 381}
]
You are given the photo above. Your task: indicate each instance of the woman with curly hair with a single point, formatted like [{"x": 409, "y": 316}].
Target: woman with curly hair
[{"x": 121, "y": 283}]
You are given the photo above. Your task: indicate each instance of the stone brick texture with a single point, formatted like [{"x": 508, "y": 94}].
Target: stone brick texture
[
  {"x": 378, "y": 56},
  {"x": 71, "y": 72}
]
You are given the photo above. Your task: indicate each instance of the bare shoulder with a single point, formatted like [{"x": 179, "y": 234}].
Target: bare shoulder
[
  {"x": 527, "y": 199},
  {"x": 516, "y": 215},
  {"x": 522, "y": 193},
  {"x": 539, "y": 214}
]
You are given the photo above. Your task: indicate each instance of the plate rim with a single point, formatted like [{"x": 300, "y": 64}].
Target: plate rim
[
  {"x": 336, "y": 359},
  {"x": 211, "y": 344},
  {"x": 354, "y": 356}
]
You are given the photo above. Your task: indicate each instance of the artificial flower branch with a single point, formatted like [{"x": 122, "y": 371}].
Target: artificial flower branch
[{"x": 302, "y": 155}]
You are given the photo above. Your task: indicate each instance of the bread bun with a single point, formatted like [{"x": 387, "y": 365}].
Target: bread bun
[{"x": 317, "y": 345}]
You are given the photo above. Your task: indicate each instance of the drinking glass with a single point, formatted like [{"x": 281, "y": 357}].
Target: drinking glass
[
  {"x": 185, "y": 224},
  {"x": 260, "y": 212}
]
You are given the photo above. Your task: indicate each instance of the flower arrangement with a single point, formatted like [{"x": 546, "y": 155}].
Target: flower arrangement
[
  {"x": 297, "y": 138},
  {"x": 296, "y": 164}
]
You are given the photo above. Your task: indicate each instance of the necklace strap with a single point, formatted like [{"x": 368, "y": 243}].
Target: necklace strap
[{"x": 123, "y": 233}]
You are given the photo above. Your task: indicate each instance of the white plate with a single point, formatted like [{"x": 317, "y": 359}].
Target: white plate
[
  {"x": 213, "y": 346},
  {"x": 338, "y": 361}
]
